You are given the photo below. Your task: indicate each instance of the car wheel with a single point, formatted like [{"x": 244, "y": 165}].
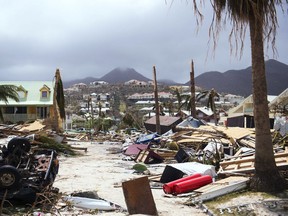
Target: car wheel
[
  {"x": 9, "y": 177},
  {"x": 22, "y": 143}
]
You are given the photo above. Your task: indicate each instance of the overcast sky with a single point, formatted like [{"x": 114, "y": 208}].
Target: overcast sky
[{"x": 92, "y": 37}]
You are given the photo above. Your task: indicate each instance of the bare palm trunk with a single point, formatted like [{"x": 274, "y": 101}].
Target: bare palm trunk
[
  {"x": 192, "y": 89},
  {"x": 157, "y": 110},
  {"x": 267, "y": 177},
  {"x": 56, "y": 116},
  {"x": 214, "y": 111}
]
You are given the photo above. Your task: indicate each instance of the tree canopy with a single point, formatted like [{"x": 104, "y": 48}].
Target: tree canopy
[{"x": 236, "y": 13}]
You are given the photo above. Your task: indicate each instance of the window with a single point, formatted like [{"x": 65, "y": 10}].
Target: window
[
  {"x": 21, "y": 110},
  {"x": 42, "y": 112},
  {"x": 14, "y": 110},
  {"x": 44, "y": 94},
  {"x": 9, "y": 110},
  {"x": 21, "y": 94}
]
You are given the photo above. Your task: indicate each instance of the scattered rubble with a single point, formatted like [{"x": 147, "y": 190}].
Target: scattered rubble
[{"x": 198, "y": 160}]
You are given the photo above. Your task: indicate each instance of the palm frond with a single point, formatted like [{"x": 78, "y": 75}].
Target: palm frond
[
  {"x": 201, "y": 95},
  {"x": 8, "y": 91},
  {"x": 237, "y": 13}
]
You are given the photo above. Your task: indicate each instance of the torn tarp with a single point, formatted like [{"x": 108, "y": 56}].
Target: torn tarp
[{"x": 147, "y": 138}]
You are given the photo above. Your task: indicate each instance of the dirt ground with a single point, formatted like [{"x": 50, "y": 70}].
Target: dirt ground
[{"x": 101, "y": 171}]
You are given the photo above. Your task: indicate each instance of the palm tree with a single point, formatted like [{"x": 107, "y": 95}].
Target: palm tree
[
  {"x": 179, "y": 99},
  {"x": 6, "y": 92},
  {"x": 261, "y": 17},
  {"x": 100, "y": 113},
  {"x": 161, "y": 106},
  {"x": 169, "y": 105},
  {"x": 185, "y": 101},
  {"x": 212, "y": 94}
]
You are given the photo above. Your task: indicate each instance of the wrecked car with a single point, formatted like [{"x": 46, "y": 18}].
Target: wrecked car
[{"x": 25, "y": 171}]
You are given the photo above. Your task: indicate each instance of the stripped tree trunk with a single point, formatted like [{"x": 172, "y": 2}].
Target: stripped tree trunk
[
  {"x": 157, "y": 110},
  {"x": 192, "y": 88},
  {"x": 58, "y": 104},
  {"x": 267, "y": 177}
]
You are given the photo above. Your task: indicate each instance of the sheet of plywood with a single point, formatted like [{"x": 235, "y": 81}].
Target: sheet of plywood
[
  {"x": 236, "y": 132},
  {"x": 138, "y": 197},
  {"x": 35, "y": 126},
  {"x": 221, "y": 187}
]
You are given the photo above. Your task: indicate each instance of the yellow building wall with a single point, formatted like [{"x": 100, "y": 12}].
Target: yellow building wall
[
  {"x": 51, "y": 111},
  {"x": 31, "y": 110}
]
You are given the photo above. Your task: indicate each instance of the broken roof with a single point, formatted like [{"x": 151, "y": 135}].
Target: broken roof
[
  {"x": 164, "y": 120},
  {"x": 33, "y": 92}
]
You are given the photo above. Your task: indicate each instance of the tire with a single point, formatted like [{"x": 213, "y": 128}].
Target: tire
[
  {"x": 9, "y": 177},
  {"x": 23, "y": 143}
]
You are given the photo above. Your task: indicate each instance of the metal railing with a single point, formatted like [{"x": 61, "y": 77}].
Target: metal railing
[{"x": 19, "y": 117}]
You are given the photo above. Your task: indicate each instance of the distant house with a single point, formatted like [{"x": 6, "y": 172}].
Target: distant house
[
  {"x": 242, "y": 115},
  {"x": 36, "y": 102},
  {"x": 246, "y": 106},
  {"x": 80, "y": 86},
  {"x": 136, "y": 83},
  {"x": 138, "y": 96},
  {"x": 166, "y": 123},
  {"x": 162, "y": 96},
  {"x": 144, "y": 103},
  {"x": 97, "y": 83},
  {"x": 280, "y": 103},
  {"x": 68, "y": 120},
  {"x": 98, "y": 97},
  {"x": 233, "y": 99},
  {"x": 205, "y": 113}
]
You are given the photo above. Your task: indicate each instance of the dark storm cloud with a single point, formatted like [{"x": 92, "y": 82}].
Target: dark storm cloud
[{"x": 90, "y": 38}]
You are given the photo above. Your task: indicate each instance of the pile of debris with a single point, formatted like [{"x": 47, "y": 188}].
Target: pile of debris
[
  {"x": 29, "y": 161},
  {"x": 202, "y": 160}
]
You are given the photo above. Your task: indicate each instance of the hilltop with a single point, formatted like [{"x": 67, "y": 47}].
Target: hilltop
[{"x": 232, "y": 81}]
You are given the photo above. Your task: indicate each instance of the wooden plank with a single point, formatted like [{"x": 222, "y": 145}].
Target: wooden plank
[
  {"x": 248, "y": 143},
  {"x": 138, "y": 196},
  {"x": 250, "y": 159},
  {"x": 247, "y": 169},
  {"x": 246, "y": 164},
  {"x": 79, "y": 148}
]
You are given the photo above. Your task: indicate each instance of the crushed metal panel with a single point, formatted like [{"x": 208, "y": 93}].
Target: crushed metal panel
[
  {"x": 222, "y": 187},
  {"x": 138, "y": 196}
]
